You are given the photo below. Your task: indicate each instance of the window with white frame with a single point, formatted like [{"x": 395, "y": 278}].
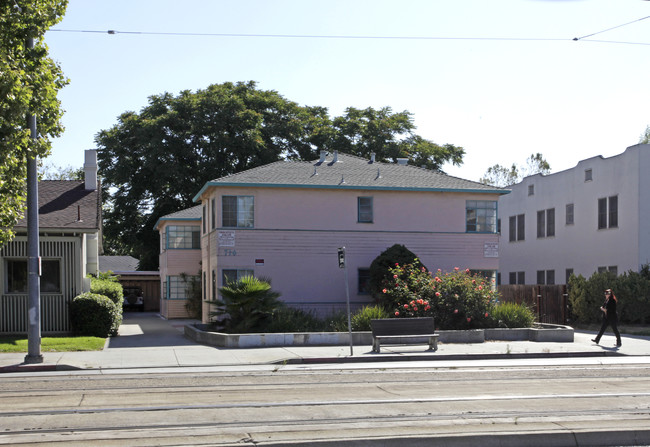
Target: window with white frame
[
  {"x": 517, "y": 277},
  {"x": 567, "y": 275},
  {"x": 569, "y": 214},
  {"x": 517, "y": 228},
  {"x": 183, "y": 237},
  {"x": 546, "y": 223},
  {"x": 177, "y": 287},
  {"x": 481, "y": 216},
  {"x": 364, "y": 209},
  {"x": 546, "y": 277},
  {"x": 213, "y": 213},
  {"x": 237, "y": 211},
  {"x": 608, "y": 212},
  {"x": 363, "y": 281},
  {"x": 16, "y": 276}
]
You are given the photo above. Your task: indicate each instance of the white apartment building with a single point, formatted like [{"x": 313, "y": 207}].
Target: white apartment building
[{"x": 591, "y": 218}]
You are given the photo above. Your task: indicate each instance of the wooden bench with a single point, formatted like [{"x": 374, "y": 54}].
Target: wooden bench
[{"x": 403, "y": 331}]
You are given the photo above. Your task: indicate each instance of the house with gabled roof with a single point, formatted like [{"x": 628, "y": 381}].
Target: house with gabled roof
[
  {"x": 70, "y": 217},
  {"x": 286, "y": 221},
  {"x": 180, "y": 259}
]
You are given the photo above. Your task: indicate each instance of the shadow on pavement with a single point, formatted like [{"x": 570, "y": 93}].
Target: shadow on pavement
[{"x": 149, "y": 329}]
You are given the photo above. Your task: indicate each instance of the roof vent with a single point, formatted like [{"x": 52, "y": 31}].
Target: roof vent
[
  {"x": 372, "y": 157},
  {"x": 336, "y": 157},
  {"x": 323, "y": 154},
  {"x": 402, "y": 161}
]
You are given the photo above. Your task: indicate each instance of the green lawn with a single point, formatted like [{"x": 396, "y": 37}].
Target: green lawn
[{"x": 53, "y": 344}]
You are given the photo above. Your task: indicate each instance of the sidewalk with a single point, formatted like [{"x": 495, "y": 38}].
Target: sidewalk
[{"x": 148, "y": 341}]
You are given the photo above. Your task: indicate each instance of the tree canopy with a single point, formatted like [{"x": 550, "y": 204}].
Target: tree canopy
[
  {"x": 645, "y": 138},
  {"x": 29, "y": 83},
  {"x": 154, "y": 162},
  {"x": 498, "y": 175}
]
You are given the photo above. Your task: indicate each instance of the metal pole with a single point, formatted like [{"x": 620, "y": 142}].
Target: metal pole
[
  {"x": 33, "y": 256},
  {"x": 344, "y": 265}
]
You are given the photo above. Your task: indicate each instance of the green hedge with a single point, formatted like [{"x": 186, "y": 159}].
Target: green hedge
[
  {"x": 109, "y": 288},
  {"x": 632, "y": 289},
  {"x": 95, "y": 315}
]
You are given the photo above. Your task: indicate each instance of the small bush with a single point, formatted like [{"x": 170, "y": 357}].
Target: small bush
[
  {"x": 361, "y": 319},
  {"x": 109, "y": 288},
  {"x": 95, "y": 315},
  {"x": 290, "y": 319},
  {"x": 512, "y": 315},
  {"x": 337, "y": 321}
]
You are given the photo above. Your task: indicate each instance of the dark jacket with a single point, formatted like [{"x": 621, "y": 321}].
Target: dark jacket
[{"x": 610, "y": 306}]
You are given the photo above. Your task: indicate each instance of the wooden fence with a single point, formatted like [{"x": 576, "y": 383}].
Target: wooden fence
[{"x": 548, "y": 302}]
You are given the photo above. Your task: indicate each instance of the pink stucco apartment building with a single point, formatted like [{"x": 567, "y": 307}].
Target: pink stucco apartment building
[{"x": 286, "y": 220}]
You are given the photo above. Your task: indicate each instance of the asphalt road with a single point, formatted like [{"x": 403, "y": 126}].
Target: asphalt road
[{"x": 338, "y": 405}]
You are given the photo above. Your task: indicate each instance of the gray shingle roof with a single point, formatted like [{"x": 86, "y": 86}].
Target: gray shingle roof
[
  {"x": 189, "y": 214},
  {"x": 118, "y": 264},
  {"x": 349, "y": 172},
  {"x": 62, "y": 202}
]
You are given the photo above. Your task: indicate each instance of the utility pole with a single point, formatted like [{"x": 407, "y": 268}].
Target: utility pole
[{"x": 33, "y": 253}]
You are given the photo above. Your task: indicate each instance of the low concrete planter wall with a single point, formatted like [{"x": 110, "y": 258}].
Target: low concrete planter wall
[
  {"x": 469, "y": 336},
  {"x": 201, "y": 334},
  {"x": 541, "y": 333},
  {"x": 552, "y": 333},
  {"x": 506, "y": 334}
]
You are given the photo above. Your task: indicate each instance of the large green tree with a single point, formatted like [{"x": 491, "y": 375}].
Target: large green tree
[
  {"x": 154, "y": 162},
  {"x": 29, "y": 83},
  {"x": 389, "y": 135}
]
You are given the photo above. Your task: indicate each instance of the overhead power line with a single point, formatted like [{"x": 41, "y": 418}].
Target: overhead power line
[
  {"x": 358, "y": 37},
  {"x": 609, "y": 29},
  {"x": 304, "y": 36}
]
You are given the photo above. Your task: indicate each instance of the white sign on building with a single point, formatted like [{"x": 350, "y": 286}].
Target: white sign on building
[{"x": 226, "y": 238}]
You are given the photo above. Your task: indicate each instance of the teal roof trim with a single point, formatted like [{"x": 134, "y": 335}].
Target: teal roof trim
[
  {"x": 350, "y": 187},
  {"x": 174, "y": 218}
]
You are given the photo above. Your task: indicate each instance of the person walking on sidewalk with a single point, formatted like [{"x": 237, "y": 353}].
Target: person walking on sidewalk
[{"x": 610, "y": 317}]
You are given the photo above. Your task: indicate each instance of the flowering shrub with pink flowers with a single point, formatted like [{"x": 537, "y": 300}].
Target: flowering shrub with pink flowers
[{"x": 457, "y": 299}]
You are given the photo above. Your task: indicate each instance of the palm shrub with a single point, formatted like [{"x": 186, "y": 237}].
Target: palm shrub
[
  {"x": 512, "y": 315},
  {"x": 94, "y": 315},
  {"x": 247, "y": 305}
]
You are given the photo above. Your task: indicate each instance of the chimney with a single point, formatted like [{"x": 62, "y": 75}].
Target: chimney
[
  {"x": 90, "y": 169},
  {"x": 336, "y": 157},
  {"x": 323, "y": 154},
  {"x": 402, "y": 161},
  {"x": 372, "y": 157}
]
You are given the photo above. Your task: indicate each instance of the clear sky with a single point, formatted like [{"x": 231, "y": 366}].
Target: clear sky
[{"x": 501, "y": 78}]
